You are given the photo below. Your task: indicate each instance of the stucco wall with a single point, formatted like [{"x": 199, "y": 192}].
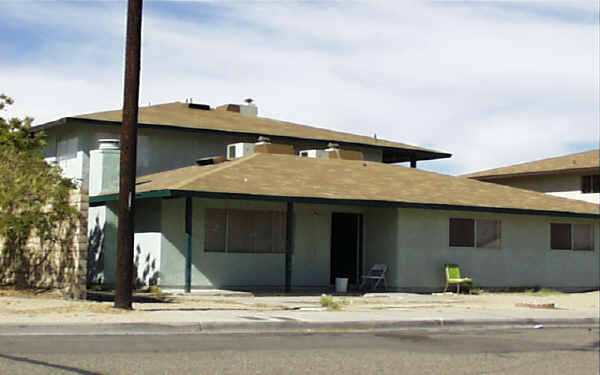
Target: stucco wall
[
  {"x": 524, "y": 259},
  {"x": 146, "y": 258},
  {"x": 158, "y": 149},
  {"x": 109, "y": 243},
  {"x": 96, "y": 230},
  {"x": 310, "y": 260},
  {"x": 564, "y": 185},
  {"x": 231, "y": 269},
  {"x": 414, "y": 243},
  {"x": 381, "y": 240}
]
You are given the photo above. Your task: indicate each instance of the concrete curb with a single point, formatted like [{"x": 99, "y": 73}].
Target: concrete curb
[{"x": 280, "y": 326}]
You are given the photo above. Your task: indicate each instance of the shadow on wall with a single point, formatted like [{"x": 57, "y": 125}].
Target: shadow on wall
[
  {"x": 149, "y": 273},
  {"x": 95, "y": 260}
]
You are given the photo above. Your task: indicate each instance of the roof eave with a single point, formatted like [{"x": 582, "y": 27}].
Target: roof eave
[
  {"x": 172, "y": 193},
  {"x": 537, "y": 173},
  {"x": 51, "y": 124},
  {"x": 399, "y": 154}
]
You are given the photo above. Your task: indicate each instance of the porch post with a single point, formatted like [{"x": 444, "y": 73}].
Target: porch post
[
  {"x": 188, "y": 244},
  {"x": 289, "y": 241},
  {"x": 413, "y": 161}
]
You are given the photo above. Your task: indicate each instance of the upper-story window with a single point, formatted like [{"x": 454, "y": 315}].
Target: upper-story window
[{"x": 590, "y": 184}]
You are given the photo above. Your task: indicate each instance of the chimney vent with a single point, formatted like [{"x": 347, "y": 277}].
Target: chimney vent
[
  {"x": 104, "y": 167},
  {"x": 249, "y": 109}
]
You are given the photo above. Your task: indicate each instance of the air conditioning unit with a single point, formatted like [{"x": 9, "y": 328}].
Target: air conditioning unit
[
  {"x": 321, "y": 154},
  {"x": 238, "y": 150}
]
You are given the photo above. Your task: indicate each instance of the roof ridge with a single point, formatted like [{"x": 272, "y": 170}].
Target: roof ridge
[{"x": 216, "y": 168}]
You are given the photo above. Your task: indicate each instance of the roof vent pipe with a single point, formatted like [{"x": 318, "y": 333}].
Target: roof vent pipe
[
  {"x": 262, "y": 140},
  {"x": 332, "y": 146}
]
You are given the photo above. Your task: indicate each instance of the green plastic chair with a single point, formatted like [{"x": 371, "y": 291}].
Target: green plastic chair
[{"x": 453, "y": 277}]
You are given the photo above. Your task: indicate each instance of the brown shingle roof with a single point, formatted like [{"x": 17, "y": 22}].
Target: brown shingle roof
[
  {"x": 297, "y": 177},
  {"x": 181, "y": 116},
  {"x": 581, "y": 161}
]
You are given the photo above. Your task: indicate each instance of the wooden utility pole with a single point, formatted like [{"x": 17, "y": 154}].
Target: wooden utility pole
[{"x": 124, "y": 272}]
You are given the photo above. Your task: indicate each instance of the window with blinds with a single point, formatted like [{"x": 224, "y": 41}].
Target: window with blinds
[{"x": 244, "y": 231}]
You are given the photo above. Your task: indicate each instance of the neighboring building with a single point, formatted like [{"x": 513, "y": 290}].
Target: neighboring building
[{"x": 574, "y": 176}]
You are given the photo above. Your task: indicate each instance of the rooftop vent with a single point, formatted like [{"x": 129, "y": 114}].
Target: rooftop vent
[
  {"x": 238, "y": 150},
  {"x": 203, "y": 107},
  {"x": 262, "y": 140},
  {"x": 210, "y": 160},
  {"x": 248, "y": 109},
  {"x": 332, "y": 151},
  {"x": 314, "y": 153},
  {"x": 265, "y": 146}
]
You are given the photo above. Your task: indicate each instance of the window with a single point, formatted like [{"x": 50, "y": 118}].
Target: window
[
  {"x": 560, "y": 236},
  {"x": 488, "y": 233},
  {"x": 244, "y": 231},
  {"x": 475, "y": 233},
  {"x": 66, "y": 157},
  {"x": 590, "y": 184},
  {"x": 462, "y": 232},
  {"x": 571, "y": 236}
]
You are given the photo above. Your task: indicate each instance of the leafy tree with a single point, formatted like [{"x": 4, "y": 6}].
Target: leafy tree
[{"x": 36, "y": 217}]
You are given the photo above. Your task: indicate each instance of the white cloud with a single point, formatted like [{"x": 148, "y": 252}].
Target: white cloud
[{"x": 492, "y": 85}]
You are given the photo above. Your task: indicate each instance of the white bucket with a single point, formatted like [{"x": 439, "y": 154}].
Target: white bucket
[{"x": 341, "y": 284}]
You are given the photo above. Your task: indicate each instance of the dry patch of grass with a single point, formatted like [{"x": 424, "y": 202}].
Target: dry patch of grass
[
  {"x": 543, "y": 292},
  {"x": 12, "y": 291},
  {"x": 331, "y": 303},
  {"x": 86, "y": 308}
]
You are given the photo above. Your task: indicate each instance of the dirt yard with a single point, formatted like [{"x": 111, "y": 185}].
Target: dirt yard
[{"x": 48, "y": 307}]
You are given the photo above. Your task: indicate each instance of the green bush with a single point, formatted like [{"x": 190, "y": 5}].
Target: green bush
[{"x": 34, "y": 205}]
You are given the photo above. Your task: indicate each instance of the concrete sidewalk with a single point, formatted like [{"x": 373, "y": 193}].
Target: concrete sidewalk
[
  {"x": 220, "y": 313},
  {"x": 230, "y": 322}
]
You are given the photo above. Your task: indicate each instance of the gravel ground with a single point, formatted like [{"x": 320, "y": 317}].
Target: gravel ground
[{"x": 18, "y": 307}]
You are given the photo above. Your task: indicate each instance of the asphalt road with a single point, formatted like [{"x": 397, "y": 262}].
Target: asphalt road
[{"x": 565, "y": 351}]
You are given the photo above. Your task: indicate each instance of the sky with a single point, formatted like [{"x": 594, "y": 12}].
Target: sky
[{"x": 492, "y": 82}]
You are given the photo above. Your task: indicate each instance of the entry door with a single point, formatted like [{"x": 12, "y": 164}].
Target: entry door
[{"x": 346, "y": 246}]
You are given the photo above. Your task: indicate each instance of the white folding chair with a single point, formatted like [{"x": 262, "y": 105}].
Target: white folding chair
[{"x": 376, "y": 275}]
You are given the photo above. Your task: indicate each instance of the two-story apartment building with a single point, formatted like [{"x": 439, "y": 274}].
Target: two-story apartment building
[{"x": 304, "y": 205}]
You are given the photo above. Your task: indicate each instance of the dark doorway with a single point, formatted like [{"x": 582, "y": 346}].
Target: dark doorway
[{"x": 346, "y": 246}]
